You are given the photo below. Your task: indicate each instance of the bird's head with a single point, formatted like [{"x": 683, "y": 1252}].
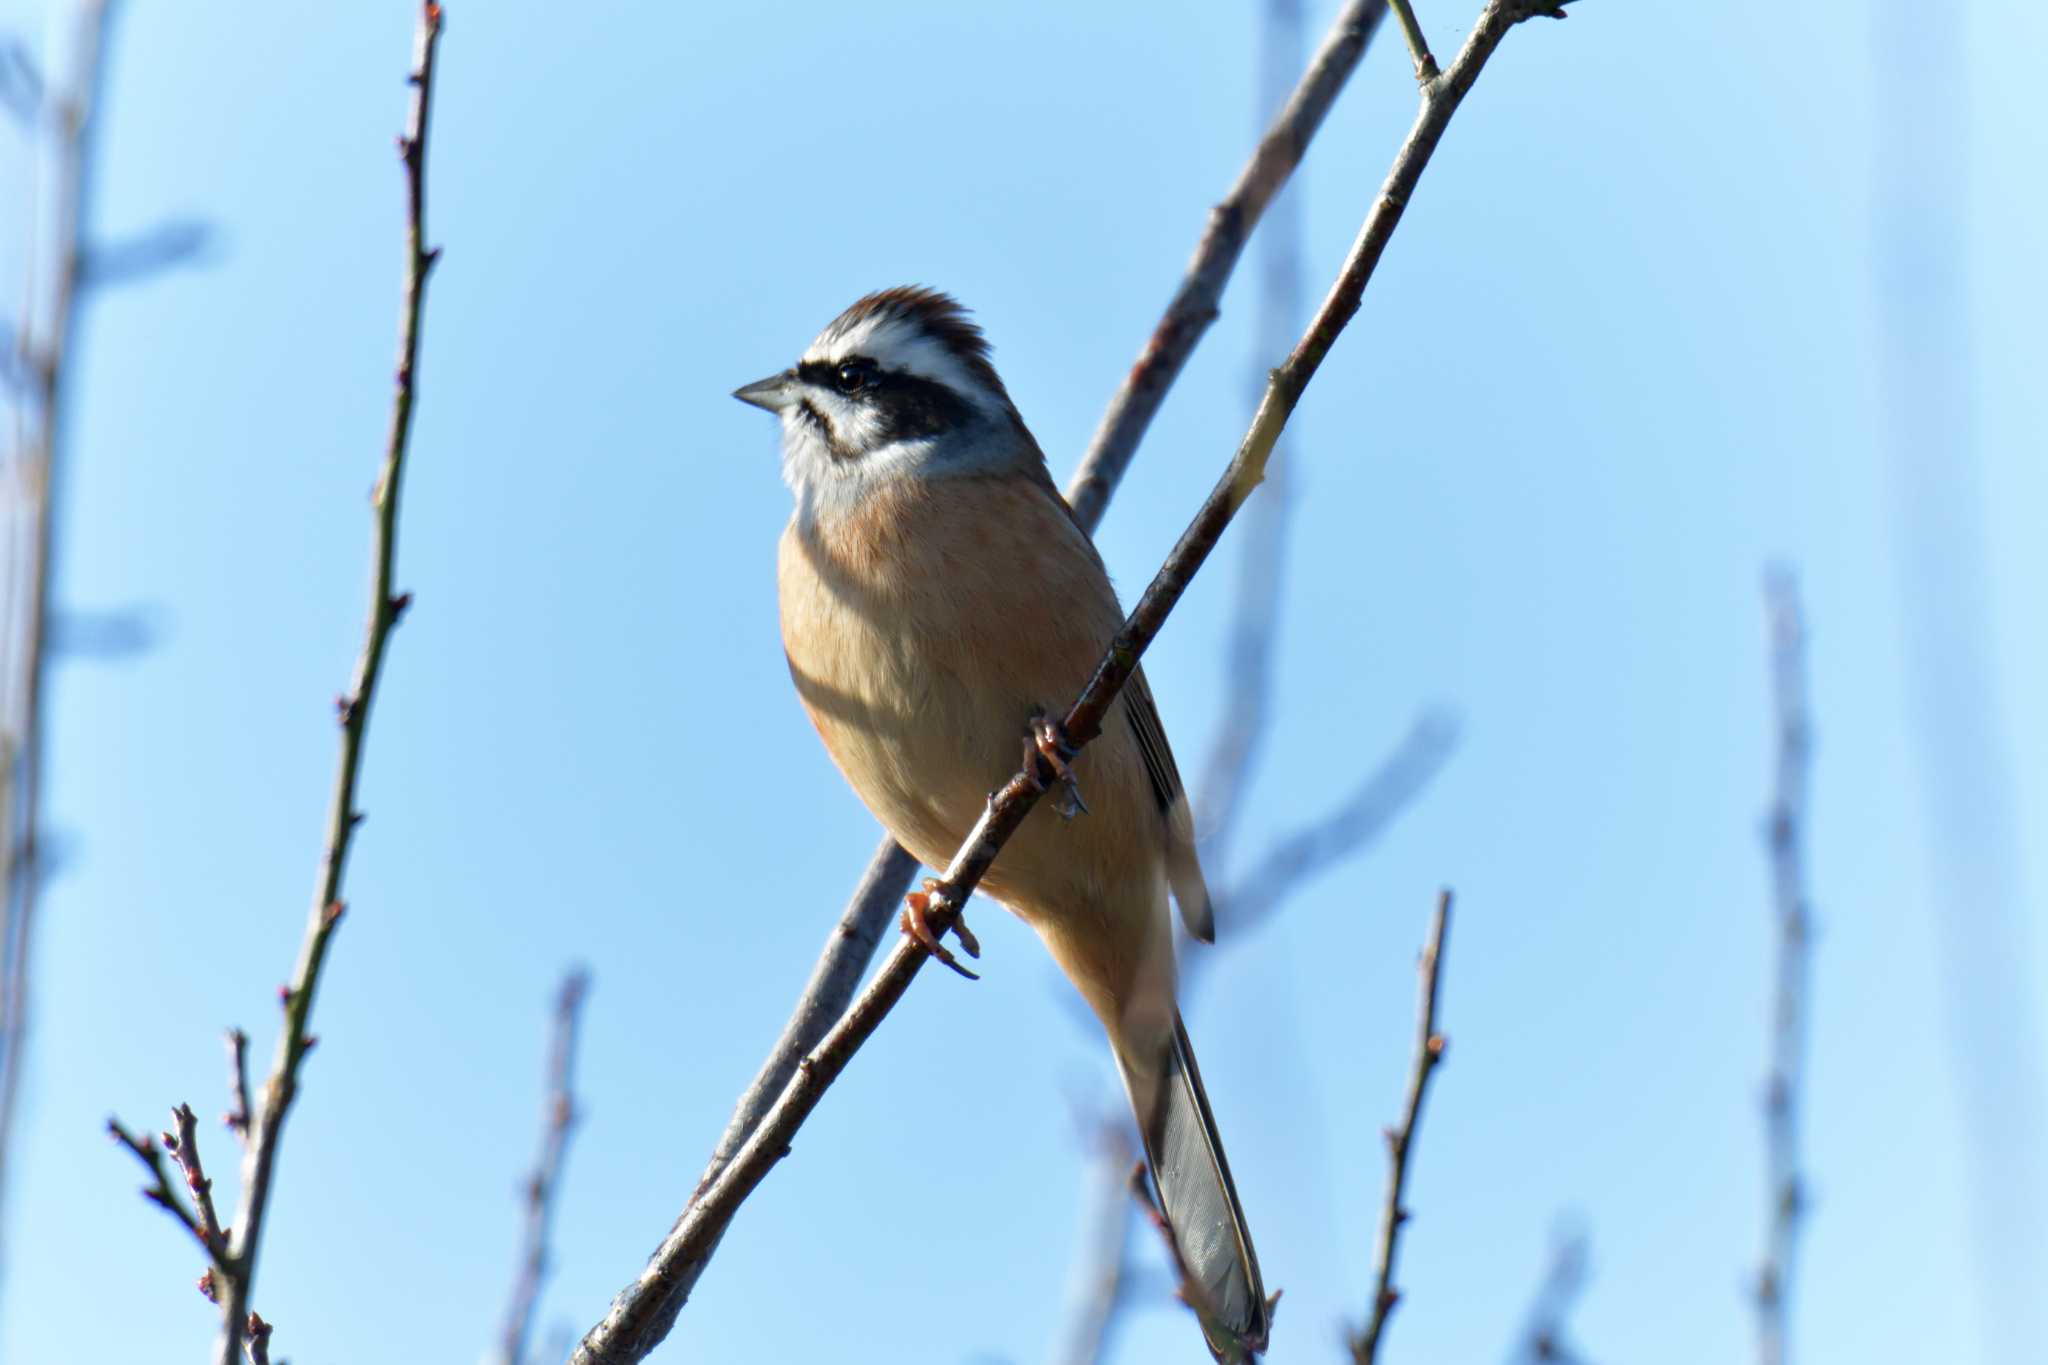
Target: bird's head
[{"x": 898, "y": 386}]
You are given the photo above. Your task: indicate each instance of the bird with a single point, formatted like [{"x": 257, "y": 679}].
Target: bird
[{"x": 938, "y": 599}]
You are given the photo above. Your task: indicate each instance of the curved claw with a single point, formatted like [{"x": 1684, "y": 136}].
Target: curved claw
[
  {"x": 1048, "y": 740},
  {"x": 914, "y": 922}
]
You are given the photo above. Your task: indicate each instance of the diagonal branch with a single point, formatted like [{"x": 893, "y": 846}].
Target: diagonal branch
[
  {"x": 1198, "y": 301},
  {"x": 1429, "y": 1054},
  {"x": 645, "y": 1310},
  {"x": 1786, "y": 836},
  {"x": 1384, "y": 793},
  {"x": 559, "y": 1120},
  {"x": 873, "y": 905}
]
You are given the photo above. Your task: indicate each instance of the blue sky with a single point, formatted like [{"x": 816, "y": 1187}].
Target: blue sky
[{"x": 1627, "y": 346}]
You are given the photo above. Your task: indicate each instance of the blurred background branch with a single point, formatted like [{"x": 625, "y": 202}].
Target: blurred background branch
[
  {"x": 558, "y": 1121},
  {"x": 1543, "y": 1336},
  {"x": 643, "y": 1312},
  {"x": 1785, "y": 833},
  {"x": 63, "y": 127},
  {"x": 886, "y": 881}
]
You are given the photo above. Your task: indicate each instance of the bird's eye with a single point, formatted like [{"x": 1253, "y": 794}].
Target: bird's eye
[{"x": 854, "y": 375}]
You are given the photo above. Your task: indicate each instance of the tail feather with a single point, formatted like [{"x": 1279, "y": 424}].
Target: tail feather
[{"x": 1196, "y": 1192}]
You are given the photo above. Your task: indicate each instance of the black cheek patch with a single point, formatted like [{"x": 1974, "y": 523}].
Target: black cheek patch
[{"x": 912, "y": 407}]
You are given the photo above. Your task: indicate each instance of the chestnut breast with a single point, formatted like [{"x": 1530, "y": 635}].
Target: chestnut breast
[{"x": 921, "y": 629}]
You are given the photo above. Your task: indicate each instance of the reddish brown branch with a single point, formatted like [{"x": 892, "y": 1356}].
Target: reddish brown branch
[
  {"x": 642, "y": 1314},
  {"x": 261, "y": 1123},
  {"x": 1429, "y": 1054},
  {"x": 237, "y": 1116},
  {"x": 883, "y": 885},
  {"x": 159, "y": 1191},
  {"x": 558, "y": 1121},
  {"x": 1198, "y": 301}
]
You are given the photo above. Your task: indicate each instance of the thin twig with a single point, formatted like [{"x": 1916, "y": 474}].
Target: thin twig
[
  {"x": 1429, "y": 1054},
  {"x": 237, "y": 1116},
  {"x": 183, "y": 1145},
  {"x": 159, "y": 1190},
  {"x": 44, "y": 459},
  {"x": 873, "y": 906},
  {"x": 1785, "y": 834},
  {"x": 1384, "y": 793},
  {"x": 1418, "y": 46},
  {"x": 836, "y": 976},
  {"x": 1197, "y": 302},
  {"x": 557, "y": 1122},
  {"x": 641, "y": 1315},
  {"x": 386, "y": 606},
  {"x": 234, "y": 1273}
]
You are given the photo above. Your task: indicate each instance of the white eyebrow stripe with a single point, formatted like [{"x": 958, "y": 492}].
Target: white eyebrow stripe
[{"x": 899, "y": 345}]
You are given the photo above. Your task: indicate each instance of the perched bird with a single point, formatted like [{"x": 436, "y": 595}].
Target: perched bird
[{"x": 937, "y": 595}]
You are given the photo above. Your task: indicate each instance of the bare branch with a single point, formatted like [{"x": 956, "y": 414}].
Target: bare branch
[
  {"x": 825, "y": 996},
  {"x": 183, "y": 1144},
  {"x": 158, "y": 1191},
  {"x": 45, "y": 363},
  {"x": 558, "y": 1121},
  {"x": 260, "y": 1163},
  {"x": 875, "y": 901},
  {"x": 1418, "y": 46},
  {"x": 1785, "y": 835},
  {"x": 1429, "y": 1054},
  {"x": 1198, "y": 301},
  {"x": 1101, "y": 1278},
  {"x": 645, "y": 1310},
  {"x": 237, "y": 1117},
  {"x": 1308, "y": 852},
  {"x": 261, "y": 1124},
  {"x": 175, "y": 242},
  {"x": 1263, "y": 542}
]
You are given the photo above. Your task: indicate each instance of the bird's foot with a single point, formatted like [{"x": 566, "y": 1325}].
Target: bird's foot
[
  {"x": 1047, "y": 740},
  {"x": 916, "y": 922}
]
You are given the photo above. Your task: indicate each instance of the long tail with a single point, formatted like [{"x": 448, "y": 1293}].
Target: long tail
[{"x": 1199, "y": 1198}]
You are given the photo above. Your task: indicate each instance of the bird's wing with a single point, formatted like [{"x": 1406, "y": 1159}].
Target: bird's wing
[{"x": 1183, "y": 868}]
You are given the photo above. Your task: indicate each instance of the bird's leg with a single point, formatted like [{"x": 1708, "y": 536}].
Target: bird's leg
[
  {"x": 916, "y": 922},
  {"x": 1047, "y": 740}
]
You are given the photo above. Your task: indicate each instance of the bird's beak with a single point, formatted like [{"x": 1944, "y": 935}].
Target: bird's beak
[{"x": 774, "y": 393}]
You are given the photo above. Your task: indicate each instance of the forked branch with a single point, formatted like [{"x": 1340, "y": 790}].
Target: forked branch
[
  {"x": 259, "y": 1118},
  {"x": 643, "y": 1313},
  {"x": 872, "y": 908}
]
